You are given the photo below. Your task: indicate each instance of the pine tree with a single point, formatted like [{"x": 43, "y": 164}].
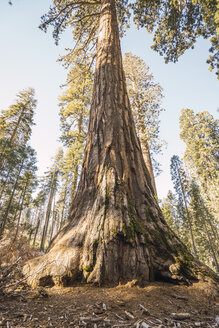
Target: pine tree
[
  {"x": 200, "y": 132},
  {"x": 16, "y": 123},
  {"x": 38, "y": 203},
  {"x": 205, "y": 228},
  {"x": 16, "y": 157},
  {"x": 52, "y": 184},
  {"x": 21, "y": 183},
  {"x": 27, "y": 186},
  {"x": 16, "y": 127},
  {"x": 116, "y": 230},
  {"x": 145, "y": 97},
  {"x": 74, "y": 110},
  {"x": 181, "y": 186},
  {"x": 171, "y": 214}
]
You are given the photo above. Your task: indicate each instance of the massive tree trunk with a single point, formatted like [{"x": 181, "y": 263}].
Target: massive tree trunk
[{"x": 116, "y": 231}]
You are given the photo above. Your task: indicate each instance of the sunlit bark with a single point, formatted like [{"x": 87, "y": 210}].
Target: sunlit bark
[{"x": 115, "y": 231}]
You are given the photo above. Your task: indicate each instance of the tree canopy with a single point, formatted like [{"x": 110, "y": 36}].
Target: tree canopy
[{"x": 176, "y": 24}]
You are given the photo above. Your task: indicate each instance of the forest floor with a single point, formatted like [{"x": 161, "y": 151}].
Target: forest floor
[{"x": 154, "y": 305}]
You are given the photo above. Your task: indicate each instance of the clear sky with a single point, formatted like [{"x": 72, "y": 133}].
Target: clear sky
[{"x": 28, "y": 59}]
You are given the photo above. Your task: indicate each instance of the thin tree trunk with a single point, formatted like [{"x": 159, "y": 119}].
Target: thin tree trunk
[
  {"x": 33, "y": 218},
  {"x": 13, "y": 134},
  {"x": 18, "y": 224},
  {"x": 3, "y": 185},
  {"x": 213, "y": 230},
  {"x": 53, "y": 220},
  {"x": 5, "y": 218},
  {"x": 187, "y": 215},
  {"x": 52, "y": 227},
  {"x": 74, "y": 183},
  {"x": 63, "y": 209},
  {"x": 21, "y": 209},
  {"x": 30, "y": 235},
  {"x": 115, "y": 231},
  {"x": 17, "y": 125},
  {"x": 18, "y": 207},
  {"x": 48, "y": 211},
  {"x": 211, "y": 246},
  {"x": 190, "y": 227},
  {"x": 37, "y": 226}
]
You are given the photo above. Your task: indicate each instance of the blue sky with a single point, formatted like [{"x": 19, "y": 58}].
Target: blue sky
[{"x": 28, "y": 58}]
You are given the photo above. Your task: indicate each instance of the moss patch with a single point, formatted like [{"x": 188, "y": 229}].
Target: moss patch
[
  {"x": 128, "y": 230},
  {"x": 88, "y": 268},
  {"x": 114, "y": 230},
  {"x": 134, "y": 226}
]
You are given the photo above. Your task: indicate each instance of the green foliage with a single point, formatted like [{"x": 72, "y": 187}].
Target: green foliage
[
  {"x": 205, "y": 227},
  {"x": 17, "y": 185},
  {"x": 198, "y": 190},
  {"x": 17, "y": 159},
  {"x": 60, "y": 181},
  {"x": 16, "y": 122},
  {"x": 50, "y": 185},
  {"x": 74, "y": 110},
  {"x": 178, "y": 177},
  {"x": 171, "y": 213},
  {"x": 200, "y": 132},
  {"x": 75, "y": 103},
  {"x": 190, "y": 217},
  {"x": 176, "y": 24},
  {"x": 181, "y": 185},
  {"x": 82, "y": 18},
  {"x": 39, "y": 199}
]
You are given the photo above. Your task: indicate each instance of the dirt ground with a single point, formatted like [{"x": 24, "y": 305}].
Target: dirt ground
[
  {"x": 157, "y": 304},
  {"x": 87, "y": 306}
]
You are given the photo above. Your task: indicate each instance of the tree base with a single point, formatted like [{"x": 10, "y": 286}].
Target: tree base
[
  {"x": 120, "y": 263},
  {"x": 115, "y": 240}
]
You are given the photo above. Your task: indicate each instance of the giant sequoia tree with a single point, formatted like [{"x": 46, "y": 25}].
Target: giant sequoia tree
[{"x": 115, "y": 231}]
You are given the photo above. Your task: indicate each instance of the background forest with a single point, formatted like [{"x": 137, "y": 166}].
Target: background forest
[{"x": 37, "y": 205}]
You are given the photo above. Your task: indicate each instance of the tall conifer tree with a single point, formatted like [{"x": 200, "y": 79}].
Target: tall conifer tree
[
  {"x": 74, "y": 111},
  {"x": 181, "y": 183},
  {"x": 200, "y": 132},
  {"x": 116, "y": 230}
]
